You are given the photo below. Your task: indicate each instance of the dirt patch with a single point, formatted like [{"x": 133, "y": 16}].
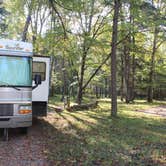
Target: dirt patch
[
  {"x": 24, "y": 150},
  {"x": 159, "y": 111}
]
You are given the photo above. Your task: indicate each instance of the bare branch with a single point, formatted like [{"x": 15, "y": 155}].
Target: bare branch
[
  {"x": 100, "y": 66},
  {"x": 60, "y": 18}
]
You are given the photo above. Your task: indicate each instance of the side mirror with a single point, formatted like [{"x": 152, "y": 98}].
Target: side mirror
[{"x": 37, "y": 79}]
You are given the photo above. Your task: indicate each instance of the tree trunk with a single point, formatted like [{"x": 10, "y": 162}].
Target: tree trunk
[
  {"x": 132, "y": 40},
  {"x": 106, "y": 87},
  {"x": 122, "y": 78},
  {"x": 65, "y": 86},
  {"x": 51, "y": 81},
  {"x": 96, "y": 91},
  {"x": 127, "y": 72},
  {"x": 151, "y": 73},
  {"x": 113, "y": 59},
  {"x": 133, "y": 78},
  {"x": 80, "y": 87},
  {"x": 27, "y": 23}
]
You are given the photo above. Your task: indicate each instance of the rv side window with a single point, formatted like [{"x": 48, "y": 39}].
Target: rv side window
[{"x": 39, "y": 68}]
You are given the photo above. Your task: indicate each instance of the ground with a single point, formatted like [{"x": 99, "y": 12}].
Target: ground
[
  {"x": 92, "y": 137},
  {"x": 24, "y": 150}
]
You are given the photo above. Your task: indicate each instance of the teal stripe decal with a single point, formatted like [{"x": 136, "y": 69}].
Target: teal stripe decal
[
  {"x": 16, "y": 51},
  {"x": 25, "y": 99}
]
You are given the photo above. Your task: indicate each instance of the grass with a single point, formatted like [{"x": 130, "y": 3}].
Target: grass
[{"x": 92, "y": 137}]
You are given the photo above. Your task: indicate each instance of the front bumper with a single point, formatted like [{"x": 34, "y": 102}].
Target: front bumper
[{"x": 16, "y": 121}]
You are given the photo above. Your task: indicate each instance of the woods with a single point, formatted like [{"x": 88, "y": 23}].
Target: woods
[
  {"x": 82, "y": 82},
  {"x": 95, "y": 53}
]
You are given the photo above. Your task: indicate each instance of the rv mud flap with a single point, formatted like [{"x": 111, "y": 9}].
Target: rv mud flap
[{"x": 39, "y": 108}]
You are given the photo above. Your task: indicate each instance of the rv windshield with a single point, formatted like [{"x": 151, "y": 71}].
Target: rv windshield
[{"x": 15, "y": 71}]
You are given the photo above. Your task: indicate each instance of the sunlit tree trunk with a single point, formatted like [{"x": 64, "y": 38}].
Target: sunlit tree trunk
[
  {"x": 113, "y": 59},
  {"x": 152, "y": 66},
  {"x": 27, "y": 22},
  {"x": 80, "y": 86}
]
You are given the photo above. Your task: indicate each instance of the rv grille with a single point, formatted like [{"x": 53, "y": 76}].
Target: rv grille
[{"x": 6, "y": 109}]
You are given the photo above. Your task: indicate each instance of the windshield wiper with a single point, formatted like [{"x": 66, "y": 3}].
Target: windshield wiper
[{"x": 5, "y": 84}]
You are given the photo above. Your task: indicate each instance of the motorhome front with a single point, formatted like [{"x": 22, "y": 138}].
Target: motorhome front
[{"x": 24, "y": 84}]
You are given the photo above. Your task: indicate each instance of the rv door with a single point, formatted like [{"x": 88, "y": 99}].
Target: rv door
[{"x": 40, "y": 68}]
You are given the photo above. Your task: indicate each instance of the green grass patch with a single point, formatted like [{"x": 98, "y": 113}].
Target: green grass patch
[{"x": 92, "y": 137}]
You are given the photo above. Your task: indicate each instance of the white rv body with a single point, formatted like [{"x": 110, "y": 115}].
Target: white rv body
[
  {"x": 18, "y": 48},
  {"x": 18, "y": 94},
  {"x": 41, "y": 65}
]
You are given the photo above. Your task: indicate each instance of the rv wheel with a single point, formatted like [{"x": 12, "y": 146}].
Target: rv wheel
[{"x": 5, "y": 135}]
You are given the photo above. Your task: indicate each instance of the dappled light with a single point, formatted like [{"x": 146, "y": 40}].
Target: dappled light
[
  {"x": 82, "y": 83},
  {"x": 92, "y": 136}
]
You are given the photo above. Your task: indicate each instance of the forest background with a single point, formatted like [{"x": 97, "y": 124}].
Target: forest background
[{"x": 83, "y": 37}]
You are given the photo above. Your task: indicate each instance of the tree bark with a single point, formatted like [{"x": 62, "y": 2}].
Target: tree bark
[
  {"x": 106, "y": 87},
  {"x": 133, "y": 63},
  {"x": 122, "y": 78},
  {"x": 133, "y": 78},
  {"x": 59, "y": 16},
  {"x": 65, "y": 83},
  {"x": 25, "y": 31},
  {"x": 52, "y": 87},
  {"x": 80, "y": 87},
  {"x": 113, "y": 59},
  {"x": 151, "y": 73},
  {"x": 27, "y": 23},
  {"x": 127, "y": 71}
]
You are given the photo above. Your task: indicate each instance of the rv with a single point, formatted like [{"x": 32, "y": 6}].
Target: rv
[{"x": 24, "y": 85}]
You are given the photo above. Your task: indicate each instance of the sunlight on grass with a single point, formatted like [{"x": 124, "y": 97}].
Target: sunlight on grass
[{"x": 92, "y": 137}]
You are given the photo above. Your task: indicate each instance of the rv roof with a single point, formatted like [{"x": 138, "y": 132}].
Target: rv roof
[{"x": 13, "y": 47}]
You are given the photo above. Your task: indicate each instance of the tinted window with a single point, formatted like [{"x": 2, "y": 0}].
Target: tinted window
[
  {"x": 15, "y": 71},
  {"x": 39, "y": 68}
]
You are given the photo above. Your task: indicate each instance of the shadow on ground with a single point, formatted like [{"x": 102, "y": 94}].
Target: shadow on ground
[
  {"x": 93, "y": 138},
  {"x": 24, "y": 150},
  {"x": 87, "y": 138}
]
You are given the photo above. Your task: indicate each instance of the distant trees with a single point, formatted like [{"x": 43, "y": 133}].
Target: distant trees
[
  {"x": 77, "y": 35},
  {"x": 157, "y": 30},
  {"x": 3, "y": 24}
]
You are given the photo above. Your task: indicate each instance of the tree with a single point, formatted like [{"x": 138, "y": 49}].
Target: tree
[
  {"x": 113, "y": 59},
  {"x": 28, "y": 21},
  {"x": 157, "y": 25},
  {"x": 3, "y": 24},
  {"x": 76, "y": 34}
]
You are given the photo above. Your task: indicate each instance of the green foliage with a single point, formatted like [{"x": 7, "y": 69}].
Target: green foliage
[
  {"x": 88, "y": 26},
  {"x": 3, "y": 25}
]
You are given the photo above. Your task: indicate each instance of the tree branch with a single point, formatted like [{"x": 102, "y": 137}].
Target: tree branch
[
  {"x": 100, "y": 66},
  {"x": 60, "y": 18}
]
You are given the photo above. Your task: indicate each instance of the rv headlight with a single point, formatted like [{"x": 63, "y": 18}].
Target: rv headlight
[{"x": 25, "y": 109}]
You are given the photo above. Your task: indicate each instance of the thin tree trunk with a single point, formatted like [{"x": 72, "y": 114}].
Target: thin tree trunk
[
  {"x": 59, "y": 16},
  {"x": 106, "y": 87},
  {"x": 127, "y": 73},
  {"x": 96, "y": 91},
  {"x": 85, "y": 52},
  {"x": 52, "y": 88},
  {"x": 27, "y": 23},
  {"x": 65, "y": 86},
  {"x": 133, "y": 78},
  {"x": 122, "y": 78},
  {"x": 133, "y": 64},
  {"x": 151, "y": 73},
  {"x": 80, "y": 87},
  {"x": 113, "y": 59}
]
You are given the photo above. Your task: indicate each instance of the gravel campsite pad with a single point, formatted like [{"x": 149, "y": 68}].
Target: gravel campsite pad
[
  {"x": 160, "y": 111},
  {"x": 24, "y": 150}
]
